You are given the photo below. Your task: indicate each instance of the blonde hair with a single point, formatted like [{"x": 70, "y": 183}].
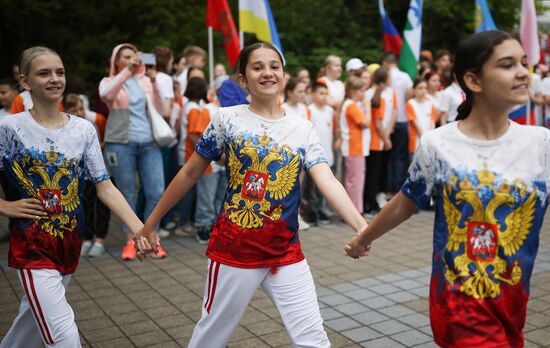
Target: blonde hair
[
  {"x": 329, "y": 60},
  {"x": 353, "y": 83},
  {"x": 30, "y": 54},
  {"x": 71, "y": 100}
]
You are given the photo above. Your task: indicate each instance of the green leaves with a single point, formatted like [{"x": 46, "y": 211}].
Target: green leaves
[{"x": 85, "y": 32}]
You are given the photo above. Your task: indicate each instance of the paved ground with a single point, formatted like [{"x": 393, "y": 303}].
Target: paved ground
[{"x": 380, "y": 301}]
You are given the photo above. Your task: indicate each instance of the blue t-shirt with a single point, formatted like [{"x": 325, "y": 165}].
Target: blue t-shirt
[{"x": 140, "y": 128}]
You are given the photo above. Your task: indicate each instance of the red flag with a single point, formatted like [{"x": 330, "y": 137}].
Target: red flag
[{"x": 219, "y": 17}]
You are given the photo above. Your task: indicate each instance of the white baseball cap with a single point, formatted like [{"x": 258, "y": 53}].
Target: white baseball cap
[{"x": 354, "y": 64}]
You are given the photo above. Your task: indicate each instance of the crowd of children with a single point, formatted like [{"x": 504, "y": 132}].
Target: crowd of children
[{"x": 369, "y": 126}]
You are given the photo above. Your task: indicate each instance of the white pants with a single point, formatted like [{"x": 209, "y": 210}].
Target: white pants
[
  {"x": 45, "y": 316},
  {"x": 229, "y": 290}
]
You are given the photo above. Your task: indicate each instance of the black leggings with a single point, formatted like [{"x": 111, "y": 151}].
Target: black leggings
[
  {"x": 377, "y": 164},
  {"x": 97, "y": 214}
]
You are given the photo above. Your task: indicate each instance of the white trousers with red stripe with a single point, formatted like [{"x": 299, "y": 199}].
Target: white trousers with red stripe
[
  {"x": 45, "y": 316},
  {"x": 229, "y": 291}
]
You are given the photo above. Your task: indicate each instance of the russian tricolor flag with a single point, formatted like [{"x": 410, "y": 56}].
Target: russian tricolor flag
[
  {"x": 519, "y": 115},
  {"x": 392, "y": 39}
]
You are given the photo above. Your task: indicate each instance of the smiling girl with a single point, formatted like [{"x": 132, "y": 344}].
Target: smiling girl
[
  {"x": 255, "y": 240},
  {"x": 490, "y": 178},
  {"x": 46, "y": 155}
]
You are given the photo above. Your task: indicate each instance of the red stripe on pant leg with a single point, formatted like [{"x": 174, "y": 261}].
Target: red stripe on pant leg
[
  {"x": 213, "y": 287},
  {"x": 209, "y": 283},
  {"x": 30, "y": 300},
  {"x": 39, "y": 308}
]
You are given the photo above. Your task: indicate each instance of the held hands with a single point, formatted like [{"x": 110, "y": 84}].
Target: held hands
[
  {"x": 146, "y": 241},
  {"x": 387, "y": 144},
  {"x": 356, "y": 248},
  {"x": 27, "y": 208}
]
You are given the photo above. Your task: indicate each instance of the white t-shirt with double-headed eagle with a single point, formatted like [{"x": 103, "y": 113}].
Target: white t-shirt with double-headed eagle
[
  {"x": 490, "y": 200},
  {"x": 257, "y": 225},
  {"x": 49, "y": 165}
]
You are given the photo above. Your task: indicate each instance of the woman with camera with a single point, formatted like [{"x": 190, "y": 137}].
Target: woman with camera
[{"x": 130, "y": 92}]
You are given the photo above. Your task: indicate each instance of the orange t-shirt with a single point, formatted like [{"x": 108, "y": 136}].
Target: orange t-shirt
[
  {"x": 376, "y": 143},
  {"x": 18, "y": 105},
  {"x": 355, "y": 140},
  {"x": 197, "y": 121},
  {"x": 101, "y": 123}
]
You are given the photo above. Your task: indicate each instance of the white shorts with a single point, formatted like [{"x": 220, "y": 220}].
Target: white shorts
[
  {"x": 45, "y": 316},
  {"x": 228, "y": 292}
]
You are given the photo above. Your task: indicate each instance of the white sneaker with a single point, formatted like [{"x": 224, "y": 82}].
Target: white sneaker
[
  {"x": 86, "y": 245},
  {"x": 162, "y": 233},
  {"x": 186, "y": 230},
  {"x": 381, "y": 199},
  {"x": 170, "y": 225},
  {"x": 302, "y": 225},
  {"x": 96, "y": 250}
]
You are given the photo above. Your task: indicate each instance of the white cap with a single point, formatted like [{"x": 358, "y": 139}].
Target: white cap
[{"x": 354, "y": 64}]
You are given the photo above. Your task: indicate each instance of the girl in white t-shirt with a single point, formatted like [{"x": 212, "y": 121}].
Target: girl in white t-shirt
[
  {"x": 254, "y": 241},
  {"x": 330, "y": 74},
  {"x": 434, "y": 91},
  {"x": 46, "y": 154},
  {"x": 489, "y": 178},
  {"x": 420, "y": 113},
  {"x": 295, "y": 92}
]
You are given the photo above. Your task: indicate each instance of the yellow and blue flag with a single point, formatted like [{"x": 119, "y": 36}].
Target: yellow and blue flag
[
  {"x": 255, "y": 17},
  {"x": 484, "y": 19}
]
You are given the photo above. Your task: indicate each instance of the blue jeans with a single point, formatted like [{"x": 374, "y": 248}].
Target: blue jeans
[
  {"x": 124, "y": 160},
  {"x": 210, "y": 194},
  {"x": 398, "y": 162}
]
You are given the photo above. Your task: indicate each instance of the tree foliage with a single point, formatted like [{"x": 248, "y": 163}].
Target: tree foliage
[{"x": 84, "y": 32}]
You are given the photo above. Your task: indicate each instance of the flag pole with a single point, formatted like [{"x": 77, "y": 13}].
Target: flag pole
[
  {"x": 241, "y": 38},
  {"x": 211, "y": 55}
]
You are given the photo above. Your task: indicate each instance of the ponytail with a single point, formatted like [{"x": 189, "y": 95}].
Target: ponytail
[
  {"x": 465, "y": 108},
  {"x": 377, "y": 97},
  {"x": 379, "y": 77}
]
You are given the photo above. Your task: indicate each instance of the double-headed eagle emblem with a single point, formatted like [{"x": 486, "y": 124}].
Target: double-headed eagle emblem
[
  {"x": 271, "y": 173},
  {"x": 56, "y": 200},
  {"x": 485, "y": 237}
]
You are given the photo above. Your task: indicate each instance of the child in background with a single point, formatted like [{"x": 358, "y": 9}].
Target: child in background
[
  {"x": 490, "y": 178},
  {"x": 184, "y": 211},
  {"x": 219, "y": 70},
  {"x": 303, "y": 75},
  {"x": 193, "y": 56},
  {"x": 354, "y": 129},
  {"x": 8, "y": 92},
  {"x": 420, "y": 113},
  {"x": 384, "y": 113},
  {"x": 434, "y": 91},
  {"x": 295, "y": 91},
  {"x": 198, "y": 117},
  {"x": 330, "y": 74},
  {"x": 323, "y": 118},
  {"x": 97, "y": 215}
]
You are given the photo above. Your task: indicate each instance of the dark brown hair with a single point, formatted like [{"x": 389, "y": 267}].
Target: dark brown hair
[
  {"x": 472, "y": 53},
  {"x": 379, "y": 76},
  {"x": 163, "y": 55},
  {"x": 244, "y": 56}
]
